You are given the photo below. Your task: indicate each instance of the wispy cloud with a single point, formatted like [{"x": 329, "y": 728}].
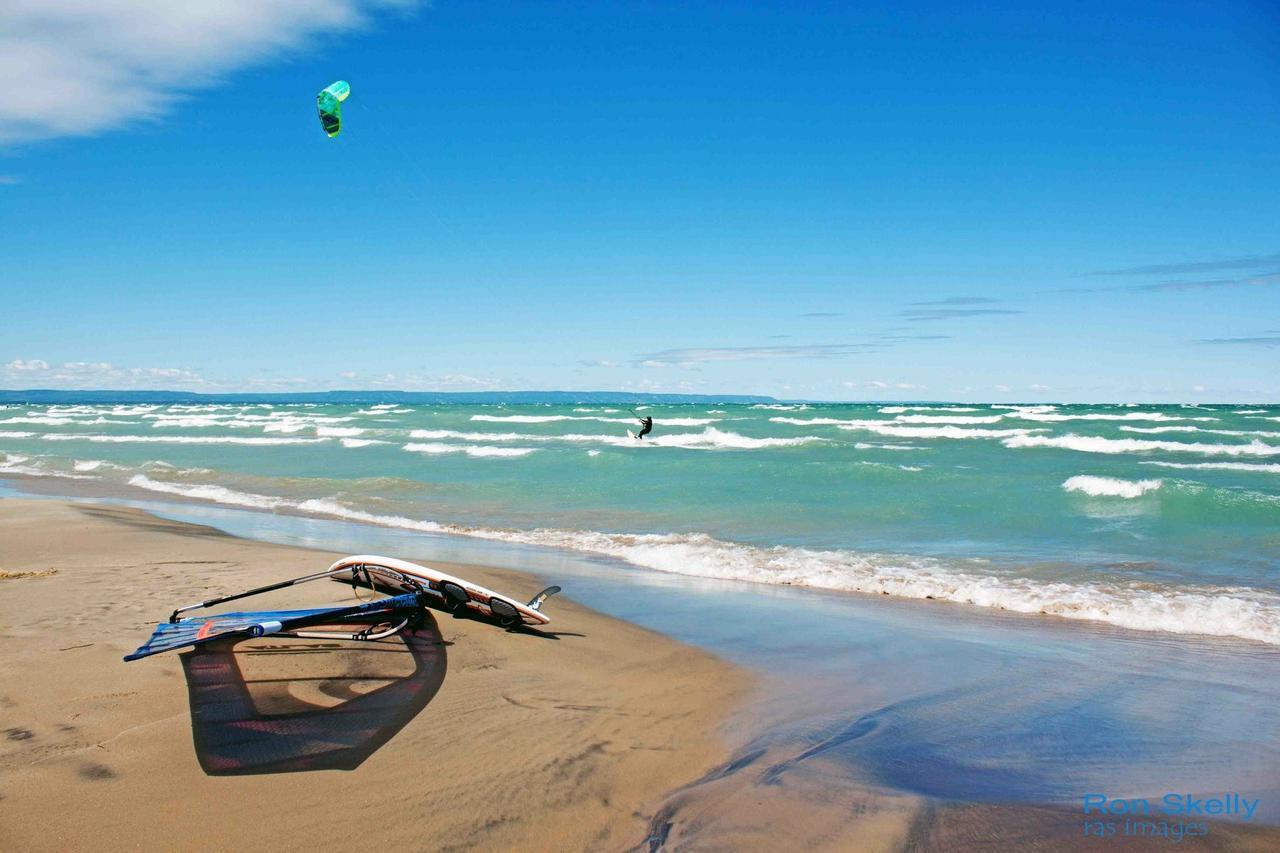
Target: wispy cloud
[
  {"x": 959, "y": 300},
  {"x": 1258, "y": 341},
  {"x": 9, "y": 180},
  {"x": 1174, "y": 285},
  {"x": 1262, "y": 280},
  {"x": 699, "y": 355},
  {"x": 902, "y": 338},
  {"x": 77, "y": 67},
  {"x": 1248, "y": 262},
  {"x": 916, "y": 315}
]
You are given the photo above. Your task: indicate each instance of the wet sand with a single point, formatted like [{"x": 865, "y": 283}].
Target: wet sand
[{"x": 461, "y": 736}]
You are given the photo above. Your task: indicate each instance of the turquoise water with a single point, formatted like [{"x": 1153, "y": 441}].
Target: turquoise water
[{"x": 1159, "y": 518}]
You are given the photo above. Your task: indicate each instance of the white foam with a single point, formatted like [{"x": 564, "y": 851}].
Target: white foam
[
  {"x": 1111, "y": 487},
  {"x": 1257, "y": 433},
  {"x": 477, "y": 450},
  {"x": 863, "y": 445},
  {"x": 948, "y": 419},
  {"x": 178, "y": 439},
  {"x": 897, "y": 410},
  {"x": 338, "y": 432},
  {"x": 1222, "y": 611},
  {"x": 949, "y": 432},
  {"x": 487, "y": 451},
  {"x": 15, "y": 434},
  {"x": 1096, "y": 444},
  {"x": 361, "y": 442},
  {"x": 1050, "y": 417},
  {"x": 1254, "y": 467},
  {"x": 38, "y": 419},
  {"x": 1249, "y": 412},
  {"x": 207, "y": 492},
  {"x": 593, "y": 452}
]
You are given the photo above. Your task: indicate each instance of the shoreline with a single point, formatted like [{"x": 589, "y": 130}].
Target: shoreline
[
  {"x": 577, "y": 740},
  {"x": 74, "y": 487}
]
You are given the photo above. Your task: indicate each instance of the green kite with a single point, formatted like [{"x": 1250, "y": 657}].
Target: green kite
[{"x": 329, "y": 105}]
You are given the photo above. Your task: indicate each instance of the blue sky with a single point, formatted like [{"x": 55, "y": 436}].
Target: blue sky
[{"x": 835, "y": 201}]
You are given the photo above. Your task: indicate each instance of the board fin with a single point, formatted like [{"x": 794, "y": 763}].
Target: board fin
[{"x": 535, "y": 603}]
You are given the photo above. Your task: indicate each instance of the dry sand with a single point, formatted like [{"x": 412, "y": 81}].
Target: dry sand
[{"x": 464, "y": 736}]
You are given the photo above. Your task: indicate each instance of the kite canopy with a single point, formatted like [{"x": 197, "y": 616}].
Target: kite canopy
[{"x": 329, "y": 105}]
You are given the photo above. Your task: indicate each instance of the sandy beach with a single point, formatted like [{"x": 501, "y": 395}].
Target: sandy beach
[{"x": 467, "y": 736}]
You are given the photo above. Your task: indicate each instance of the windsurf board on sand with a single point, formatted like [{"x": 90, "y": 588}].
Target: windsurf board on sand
[{"x": 455, "y": 594}]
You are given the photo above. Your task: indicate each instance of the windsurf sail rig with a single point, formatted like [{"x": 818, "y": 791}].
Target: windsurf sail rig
[
  {"x": 412, "y": 589},
  {"x": 196, "y": 631}
]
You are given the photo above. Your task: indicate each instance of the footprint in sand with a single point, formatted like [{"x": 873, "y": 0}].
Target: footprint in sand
[
  {"x": 96, "y": 772},
  {"x": 19, "y": 734}
]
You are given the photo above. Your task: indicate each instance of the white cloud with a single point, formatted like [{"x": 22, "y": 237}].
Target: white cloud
[
  {"x": 697, "y": 355},
  {"x": 1003, "y": 388},
  {"x": 881, "y": 385},
  {"x": 9, "y": 180},
  {"x": 35, "y": 372},
  {"x": 1039, "y": 387},
  {"x": 79, "y": 67}
]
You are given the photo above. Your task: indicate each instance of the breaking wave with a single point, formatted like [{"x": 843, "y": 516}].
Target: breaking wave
[
  {"x": 1221, "y": 611},
  {"x": 1095, "y": 444},
  {"x": 477, "y": 450},
  {"x": 1257, "y": 467},
  {"x": 1111, "y": 487}
]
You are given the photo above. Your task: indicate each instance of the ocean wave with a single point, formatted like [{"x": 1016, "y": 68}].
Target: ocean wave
[
  {"x": 361, "y": 442},
  {"x": 1222, "y": 611},
  {"x": 1249, "y": 412},
  {"x": 208, "y": 492},
  {"x": 477, "y": 450},
  {"x": 951, "y": 432},
  {"x": 1110, "y": 486},
  {"x": 897, "y": 410},
  {"x": 37, "y": 419},
  {"x": 86, "y": 465},
  {"x": 1052, "y": 417},
  {"x": 1096, "y": 444},
  {"x": 544, "y": 419},
  {"x": 709, "y": 439},
  {"x": 889, "y": 465},
  {"x": 948, "y": 419},
  {"x": 1257, "y": 433},
  {"x": 16, "y": 434},
  {"x": 1254, "y": 467},
  {"x": 865, "y": 445},
  {"x": 339, "y": 432},
  {"x": 178, "y": 439}
]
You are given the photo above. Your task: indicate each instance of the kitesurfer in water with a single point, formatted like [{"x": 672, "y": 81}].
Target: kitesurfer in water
[{"x": 646, "y": 427}]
